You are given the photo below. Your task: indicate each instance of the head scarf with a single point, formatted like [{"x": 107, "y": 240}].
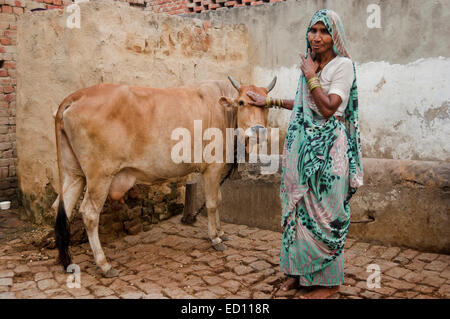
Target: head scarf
[{"x": 310, "y": 137}]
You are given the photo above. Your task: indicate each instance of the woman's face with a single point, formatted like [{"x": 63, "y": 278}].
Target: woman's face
[{"x": 319, "y": 38}]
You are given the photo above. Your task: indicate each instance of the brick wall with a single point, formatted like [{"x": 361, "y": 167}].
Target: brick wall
[
  {"x": 9, "y": 12},
  {"x": 193, "y": 6},
  {"x": 196, "y": 6}
]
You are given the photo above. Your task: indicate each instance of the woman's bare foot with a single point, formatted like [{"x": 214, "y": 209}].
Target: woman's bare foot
[
  {"x": 321, "y": 293},
  {"x": 290, "y": 283}
]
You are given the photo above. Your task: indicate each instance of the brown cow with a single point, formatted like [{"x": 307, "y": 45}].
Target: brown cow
[{"x": 109, "y": 137}]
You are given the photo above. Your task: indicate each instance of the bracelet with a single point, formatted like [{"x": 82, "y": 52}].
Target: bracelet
[
  {"x": 278, "y": 103},
  {"x": 313, "y": 86},
  {"x": 313, "y": 83},
  {"x": 314, "y": 78}
]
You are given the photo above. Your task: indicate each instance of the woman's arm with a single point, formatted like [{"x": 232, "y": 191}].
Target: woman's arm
[
  {"x": 341, "y": 84},
  {"x": 327, "y": 104},
  {"x": 261, "y": 101}
]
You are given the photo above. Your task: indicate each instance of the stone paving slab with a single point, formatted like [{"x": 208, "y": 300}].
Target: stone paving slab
[{"x": 172, "y": 260}]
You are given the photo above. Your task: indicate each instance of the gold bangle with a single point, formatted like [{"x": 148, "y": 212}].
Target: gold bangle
[
  {"x": 315, "y": 84},
  {"x": 312, "y": 87},
  {"x": 279, "y": 103},
  {"x": 268, "y": 104},
  {"x": 314, "y": 78}
]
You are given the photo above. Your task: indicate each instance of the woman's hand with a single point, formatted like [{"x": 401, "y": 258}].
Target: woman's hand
[
  {"x": 256, "y": 99},
  {"x": 309, "y": 66}
]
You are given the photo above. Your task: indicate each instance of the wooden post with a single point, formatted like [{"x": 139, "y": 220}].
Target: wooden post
[{"x": 189, "y": 200}]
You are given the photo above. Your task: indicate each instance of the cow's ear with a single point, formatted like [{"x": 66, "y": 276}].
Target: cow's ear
[{"x": 226, "y": 102}]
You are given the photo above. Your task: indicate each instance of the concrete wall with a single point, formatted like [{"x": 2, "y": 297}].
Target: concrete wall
[
  {"x": 404, "y": 95},
  {"x": 115, "y": 44}
]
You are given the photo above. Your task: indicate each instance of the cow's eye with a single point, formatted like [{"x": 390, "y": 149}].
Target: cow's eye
[{"x": 241, "y": 102}]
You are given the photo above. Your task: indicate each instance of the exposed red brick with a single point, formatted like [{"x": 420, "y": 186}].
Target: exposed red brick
[
  {"x": 10, "y": 33},
  {"x": 230, "y": 3},
  {"x": 5, "y": 41},
  {"x": 9, "y": 65},
  {"x": 18, "y": 10},
  {"x": 6, "y": 9},
  {"x": 177, "y": 12},
  {"x": 55, "y": 7},
  {"x": 6, "y": 81},
  {"x": 10, "y": 97},
  {"x": 8, "y": 89},
  {"x": 180, "y": 7}
]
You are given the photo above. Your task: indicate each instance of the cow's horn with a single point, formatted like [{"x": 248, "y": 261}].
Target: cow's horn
[
  {"x": 235, "y": 83},
  {"x": 272, "y": 84}
]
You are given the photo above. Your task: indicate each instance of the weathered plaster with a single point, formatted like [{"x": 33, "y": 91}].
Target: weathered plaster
[
  {"x": 115, "y": 44},
  {"x": 404, "y": 109}
]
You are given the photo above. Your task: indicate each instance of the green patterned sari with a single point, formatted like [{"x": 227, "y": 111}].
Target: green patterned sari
[{"x": 321, "y": 170}]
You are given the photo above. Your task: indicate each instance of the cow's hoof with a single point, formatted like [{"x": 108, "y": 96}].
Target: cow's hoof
[
  {"x": 220, "y": 247},
  {"x": 111, "y": 273},
  {"x": 188, "y": 220},
  {"x": 224, "y": 237}
]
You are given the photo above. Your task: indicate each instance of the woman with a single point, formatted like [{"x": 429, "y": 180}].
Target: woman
[{"x": 321, "y": 166}]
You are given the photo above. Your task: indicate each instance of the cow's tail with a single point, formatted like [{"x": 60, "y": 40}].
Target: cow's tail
[{"x": 62, "y": 228}]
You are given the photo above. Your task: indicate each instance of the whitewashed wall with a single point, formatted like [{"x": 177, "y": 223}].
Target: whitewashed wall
[{"x": 404, "y": 108}]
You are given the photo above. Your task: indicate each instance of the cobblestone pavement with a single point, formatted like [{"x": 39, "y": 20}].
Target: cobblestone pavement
[{"x": 172, "y": 260}]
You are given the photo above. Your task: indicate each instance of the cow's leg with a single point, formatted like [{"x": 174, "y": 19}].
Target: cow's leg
[
  {"x": 211, "y": 178},
  {"x": 91, "y": 207},
  {"x": 220, "y": 231}
]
